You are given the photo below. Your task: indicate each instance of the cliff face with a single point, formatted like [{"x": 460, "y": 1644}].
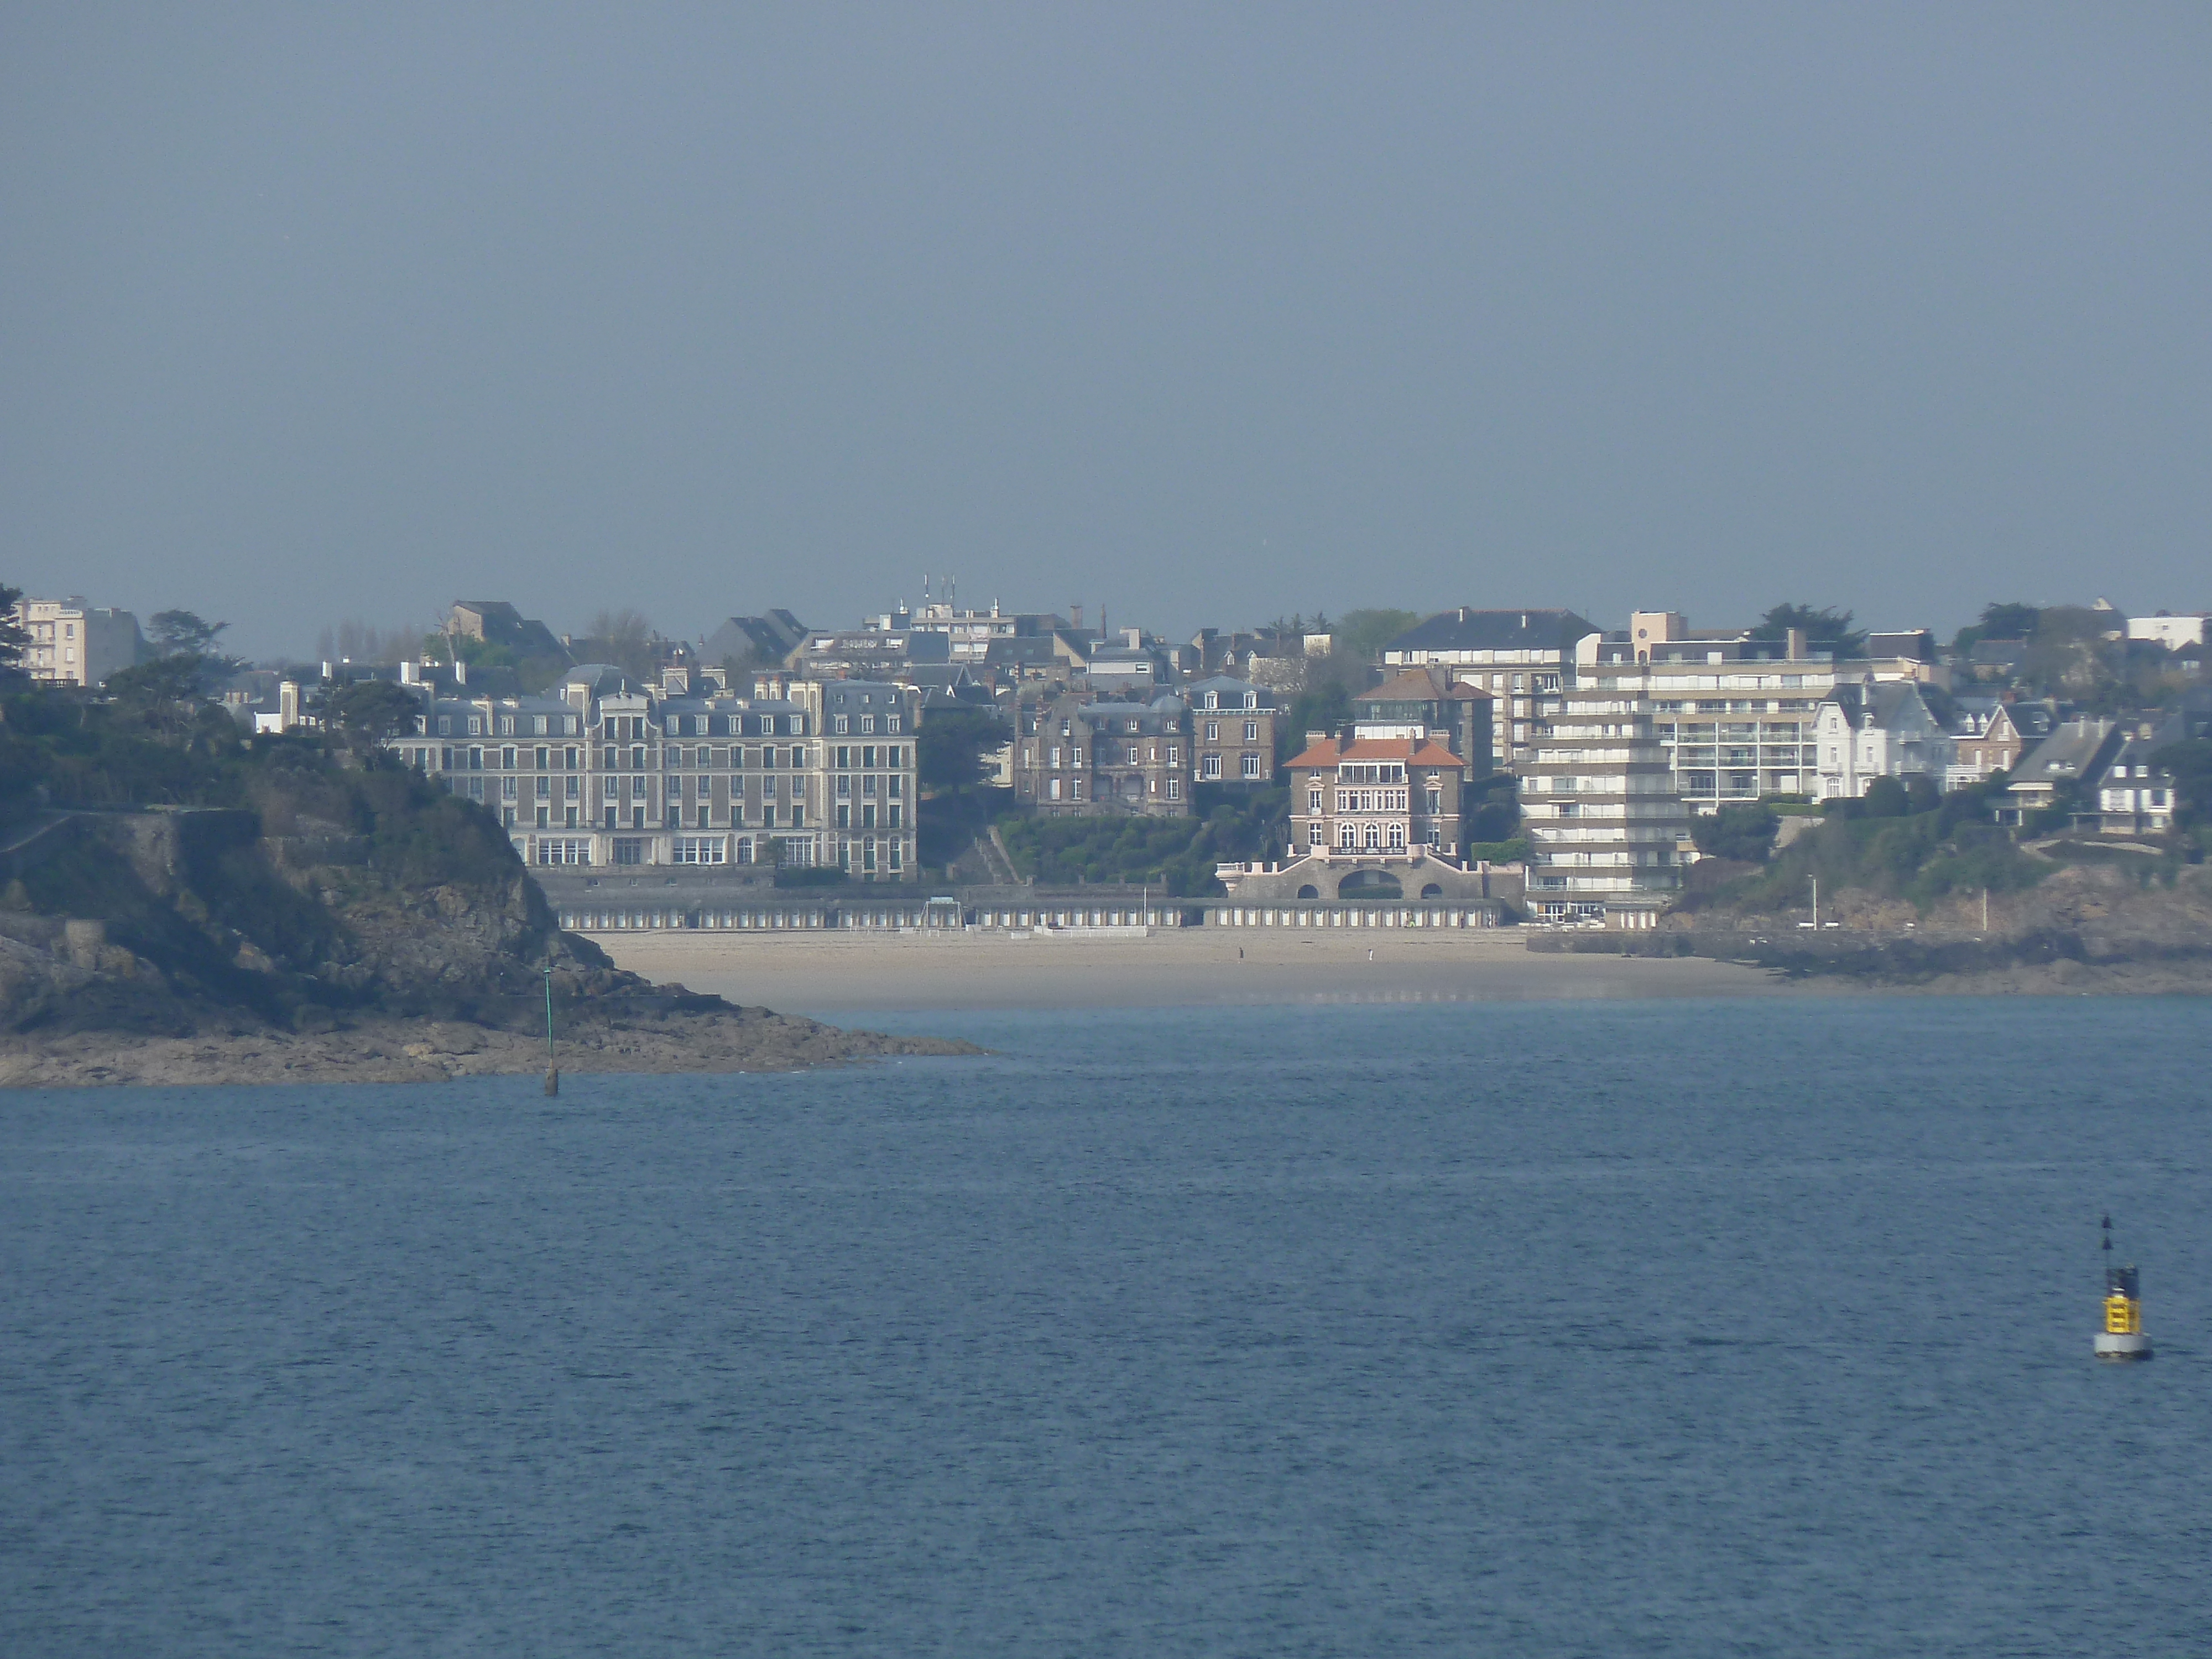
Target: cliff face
[{"x": 336, "y": 895}]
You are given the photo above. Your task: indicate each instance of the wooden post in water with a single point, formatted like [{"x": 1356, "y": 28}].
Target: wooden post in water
[{"x": 552, "y": 1071}]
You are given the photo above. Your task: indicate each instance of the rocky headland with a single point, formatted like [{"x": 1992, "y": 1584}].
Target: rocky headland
[
  {"x": 2105, "y": 922},
  {"x": 344, "y": 926}
]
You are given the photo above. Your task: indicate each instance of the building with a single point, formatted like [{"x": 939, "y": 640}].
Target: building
[
  {"x": 881, "y": 648},
  {"x": 971, "y": 633},
  {"x": 2135, "y": 794},
  {"x": 1232, "y": 731},
  {"x": 1323, "y": 889},
  {"x": 1738, "y": 714},
  {"x": 495, "y": 622},
  {"x": 1128, "y": 670},
  {"x": 72, "y": 643},
  {"x": 1991, "y": 734},
  {"x": 1435, "y": 704},
  {"x": 1359, "y": 794},
  {"x": 755, "y": 641},
  {"x": 1605, "y": 827},
  {"x": 1867, "y": 731},
  {"x": 1522, "y": 658},
  {"x": 606, "y": 771},
  {"x": 1075, "y": 757},
  {"x": 2167, "y": 629},
  {"x": 2075, "y": 751}
]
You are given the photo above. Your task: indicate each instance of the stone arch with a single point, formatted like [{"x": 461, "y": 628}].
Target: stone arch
[
  {"x": 1308, "y": 891},
  {"x": 1433, "y": 890},
  {"x": 1369, "y": 884}
]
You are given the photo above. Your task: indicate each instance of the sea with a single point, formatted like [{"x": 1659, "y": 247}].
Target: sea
[{"x": 1695, "y": 1327}]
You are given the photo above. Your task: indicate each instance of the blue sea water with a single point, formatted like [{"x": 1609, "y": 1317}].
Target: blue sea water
[{"x": 1685, "y": 1328}]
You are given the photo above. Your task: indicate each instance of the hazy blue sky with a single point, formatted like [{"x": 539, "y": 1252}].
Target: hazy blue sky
[{"x": 1203, "y": 313}]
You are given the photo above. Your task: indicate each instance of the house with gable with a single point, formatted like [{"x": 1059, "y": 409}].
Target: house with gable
[{"x": 1876, "y": 729}]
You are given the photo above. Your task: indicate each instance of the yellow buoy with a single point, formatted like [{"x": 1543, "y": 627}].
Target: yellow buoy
[{"x": 2123, "y": 1336}]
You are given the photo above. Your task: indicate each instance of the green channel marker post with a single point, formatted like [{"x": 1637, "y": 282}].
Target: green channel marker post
[{"x": 552, "y": 1071}]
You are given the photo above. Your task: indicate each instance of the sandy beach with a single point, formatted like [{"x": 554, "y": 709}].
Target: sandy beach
[{"x": 845, "y": 974}]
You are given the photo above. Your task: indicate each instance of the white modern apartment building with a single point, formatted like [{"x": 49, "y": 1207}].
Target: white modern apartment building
[
  {"x": 72, "y": 643},
  {"x": 608, "y": 772},
  {"x": 1606, "y": 830},
  {"x": 1738, "y": 717}
]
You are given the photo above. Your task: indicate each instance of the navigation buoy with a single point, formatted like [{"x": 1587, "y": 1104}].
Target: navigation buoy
[{"x": 2123, "y": 1336}]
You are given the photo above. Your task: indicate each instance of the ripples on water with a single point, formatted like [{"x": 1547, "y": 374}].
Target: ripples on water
[{"x": 1739, "y": 1328}]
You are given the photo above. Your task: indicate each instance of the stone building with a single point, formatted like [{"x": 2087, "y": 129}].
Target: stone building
[
  {"x": 1075, "y": 758},
  {"x": 1352, "y": 793},
  {"x": 1523, "y": 658},
  {"x": 1232, "y": 731},
  {"x": 1432, "y": 703},
  {"x": 1327, "y": 889},
  {"x": 606, "y": 771}
]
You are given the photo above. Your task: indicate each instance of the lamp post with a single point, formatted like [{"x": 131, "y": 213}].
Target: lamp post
[{"x": 1815, "y": 880}]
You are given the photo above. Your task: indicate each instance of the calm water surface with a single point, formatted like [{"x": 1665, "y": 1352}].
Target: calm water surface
[{"x": 1604, "y": 1328}]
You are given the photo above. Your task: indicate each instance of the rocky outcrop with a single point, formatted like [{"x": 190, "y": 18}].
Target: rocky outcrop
[
  {"x": 2106, "y": 926},
  {"x": 197, "y": 946}
]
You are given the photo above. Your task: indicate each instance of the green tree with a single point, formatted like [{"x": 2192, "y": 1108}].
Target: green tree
[
  {"x": 1745, "y": 832},
  {"x": 2069, "y": 655},
  {"x": 952, "y": 747},
  {"x": 180, "y": 633},
  {"x": 1364, "y": 632},
  {"x": 163, "y": 692},
  {"x": 14, "y": 638},
  {"x": 365, "y": 713},
  {"x": 1826, "y": 629}
]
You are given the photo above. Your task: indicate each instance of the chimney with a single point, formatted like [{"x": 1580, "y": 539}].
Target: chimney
[{"x": 1795, "y": 644}]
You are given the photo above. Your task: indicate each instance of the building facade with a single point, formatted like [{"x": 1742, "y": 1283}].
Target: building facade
[
  {"x": 1869, "y": 731},
  {"x": 1232, "y": 731},
  {"x": 608, "y": 772},
  {"x": 1605, "y": 828},
  {"x": 1523, "y": 658},
  {"x": 1435, "y": 704},
  {"x": 72, "y": 643},
  {"x": 1360, "y": 794},
  {"x": 1077, "y": 758}
]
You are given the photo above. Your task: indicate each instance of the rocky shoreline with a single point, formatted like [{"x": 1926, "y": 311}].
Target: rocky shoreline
[{"x": 387, "y": 1050}]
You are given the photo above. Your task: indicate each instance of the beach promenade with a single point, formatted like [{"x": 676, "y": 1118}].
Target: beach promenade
[{"x": 842, "y": 973}]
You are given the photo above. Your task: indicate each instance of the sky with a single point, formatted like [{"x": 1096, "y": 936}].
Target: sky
[{"x": 1202, "y": 315}]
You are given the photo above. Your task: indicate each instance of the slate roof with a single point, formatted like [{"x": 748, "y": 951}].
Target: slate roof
[{"x": 1465, "y": 629}]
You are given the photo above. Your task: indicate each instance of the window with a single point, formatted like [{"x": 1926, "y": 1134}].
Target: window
[
  {"x": 844, "y": 724},
  {"x": 1175, "y": 788},
  {"x": 1251, "y": 731},
  {"x": 1313, "y": 835},
  {"x": 1209, "y": 766},
  {"x": 1313, "y": 798},
  {"x": 1175, "y": 755},
  {"x": 1213, "y": 730},
  {"x": 892, "y": 724},
  {"x": 444, "y": 725},
  {"x": 1075, "y": 757},
  {"x": 867, "y": 723},
  {"x": 1251, "y": 766},
  {"x": 700, "y": 849}
]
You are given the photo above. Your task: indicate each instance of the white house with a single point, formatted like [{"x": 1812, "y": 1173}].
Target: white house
[{"x": 1876, "y": 730}]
